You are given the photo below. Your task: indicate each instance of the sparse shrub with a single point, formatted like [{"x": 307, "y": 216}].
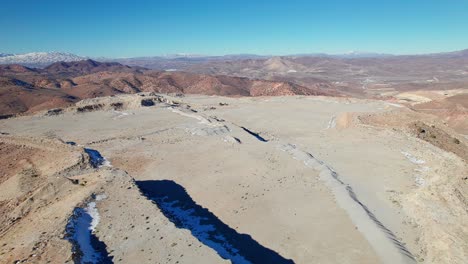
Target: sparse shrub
[
  {"x": 89, "y": 108},
  {"x": 56, "y": 111},
  {"x": 117, "y": 105},
  {"x": 5, "y": 116}
]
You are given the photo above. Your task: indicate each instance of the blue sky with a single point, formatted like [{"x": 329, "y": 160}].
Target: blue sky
[{"x": 142, "y": 28}]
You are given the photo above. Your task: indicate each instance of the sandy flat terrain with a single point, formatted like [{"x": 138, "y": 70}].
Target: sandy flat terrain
[{"x": 264, "y": 180}]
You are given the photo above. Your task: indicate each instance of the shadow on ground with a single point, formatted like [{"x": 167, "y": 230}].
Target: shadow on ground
[{"x": 177, "y": 205}]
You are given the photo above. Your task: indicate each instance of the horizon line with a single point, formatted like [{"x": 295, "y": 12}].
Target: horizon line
[{"x": 185, "y": 54}]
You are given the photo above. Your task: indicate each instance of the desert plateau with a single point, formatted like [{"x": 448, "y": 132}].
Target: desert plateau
[{"x": 209, "y": 178}]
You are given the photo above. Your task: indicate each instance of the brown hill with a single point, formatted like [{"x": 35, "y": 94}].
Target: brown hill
[
  {"x": 12, "y": 69},
  {"x": 77, "y": 68},
  {"x": 453, "y": 110},
  {"x": 17, "y": 96},
  {"x": 182, "y": 82}
]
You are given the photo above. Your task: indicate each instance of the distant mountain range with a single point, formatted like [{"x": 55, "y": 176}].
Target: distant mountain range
[
  {"x": 44, "y": 59},
  {"x": 182, "y": 61},
  {"x": 38, "y": 59},
  {"x": 356, "y": 74},
  {"x": 38, "y": 81}
]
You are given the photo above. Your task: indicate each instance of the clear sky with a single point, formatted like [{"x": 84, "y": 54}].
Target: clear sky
[{"x": 121, "y": 28}]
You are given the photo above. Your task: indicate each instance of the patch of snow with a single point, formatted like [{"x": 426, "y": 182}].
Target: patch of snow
[
  {"x": 230, "y": 139},
  {"x": 412, "y": 158},
  {"x": 208, "y": 128},
  {"x": 106, "y": 163},
  {"x": 101, "y": 197},
  {"x": 419, "y": 180},
  {"x": 332, "y": 122},
  {"x": 120, "y": 114},
  {"x": 201, "y": 230},
  {"x": 208, "y": 131},
  {"x": 200, "y": 118},
  {"x": 93, "y": 212},
  {"x": 80, "y": 228},
  {"x": 291, "y": 71},
  {"x": 422, "y": 169},
  {"x": 96, "y": 159},
  {"x": 396, "y": 105},
  {"x": 340, "y": 83}
]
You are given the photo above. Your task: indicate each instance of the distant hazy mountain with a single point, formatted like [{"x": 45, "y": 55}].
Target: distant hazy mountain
[
  {"x": 362, "y": 54},
  {"x": 38, "y": 59},
  {"x": 88, "y": 66},
  {"x": 182, "y": 55},
  {"x": 179, "y": 61},
  {"x": 209, "y": 57},
  {"x": 218, "y": 64}
]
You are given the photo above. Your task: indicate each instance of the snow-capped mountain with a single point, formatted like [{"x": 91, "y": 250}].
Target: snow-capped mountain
[
  {"x": 5, "y": 55},
  {"x": 38, "y": 59}
]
